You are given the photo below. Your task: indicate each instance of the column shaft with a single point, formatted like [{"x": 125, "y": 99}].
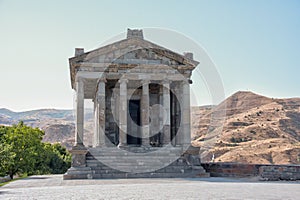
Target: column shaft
[
  {"x": 178, "y": 118},
  {"x": 116, "y": 112},
  {"x": 145, "y": 113},
  {"x": 96, "y": 119},
  {"x": 186, "y": 140},
  {"x": 166, "y": 115},
  {"x": 79, "y": 114},
  {"x": 161, "y": 116},
  {"x": 177, "y": 109},
  {"x": 123, "y": 113},
  {"x": 100, "y": 115}
]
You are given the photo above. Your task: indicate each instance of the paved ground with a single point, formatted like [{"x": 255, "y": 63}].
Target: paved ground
[{"x": 53, "y": 187}]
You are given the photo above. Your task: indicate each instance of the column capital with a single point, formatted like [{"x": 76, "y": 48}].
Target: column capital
[
  {"x": 79, "y": 79},
  {"x": 145, "y": 81},
  {"x": 100, "y": 89},
  {"x": 184, "y": 83},
  {"x": 166, "y": 81},
  {"x": 123, "y": 80},
  {"x": 102, "y": 79}
]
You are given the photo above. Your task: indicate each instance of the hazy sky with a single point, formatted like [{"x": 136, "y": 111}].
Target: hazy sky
[{"x": 254, "y": 44}]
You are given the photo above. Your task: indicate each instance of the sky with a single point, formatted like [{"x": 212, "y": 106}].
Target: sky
[{"x": 254, "y": 45}]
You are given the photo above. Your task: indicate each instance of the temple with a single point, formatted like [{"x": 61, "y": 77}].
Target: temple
[{"x": 141, "y": 96}]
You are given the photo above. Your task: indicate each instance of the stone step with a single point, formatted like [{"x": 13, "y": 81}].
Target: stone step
[
  {"x": 133, "y": 166},
  {"x": 133, "y": 153},
  {"x": 106, "y": 168},
  {"x": 132, "y": 158},
  {"x": 133, "y": 162},
  {"x": 115, "y": 151},
  {"x": 150, "y": 175},
  {"x": 102, "y": 166},
  {"x": 116, "y": 163},
  {"x": 129, "y": 165},
  {"x": 163, "y": 170},
  {"x": 89, "y": 156},
  {"x": 91, "y": 163},
  {"x": 136, "y": 148}
]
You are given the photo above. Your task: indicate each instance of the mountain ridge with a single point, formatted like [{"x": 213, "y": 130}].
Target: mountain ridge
[
  {"x": 245, "y": 127},
  {"x": 256, "y": 129}
]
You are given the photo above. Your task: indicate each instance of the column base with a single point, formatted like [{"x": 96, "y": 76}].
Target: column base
[
  {"x": 122, "y": 145},
  {"x": 78, "y": 156},
  {"x": 78, "y": 173},
  {"x": 146, "y": 146},
  {"x": 78, "y": 146},
  {"x": 78, "y": 169},
  {"x": 100, "y": 146},
  {"x": 167, "y": 145}
]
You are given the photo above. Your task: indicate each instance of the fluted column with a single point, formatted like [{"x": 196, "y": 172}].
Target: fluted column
[
  {"x": 177, "y": 117},
  {"x": 161, "y": 115},
  {"x": 186, "y": 139},
  {"x": 99, "y": 140},
  {"x": 145, "y": 113},
  {"x": 166, "y": 116},
  {"x": 79, "y": 113},
  {"x": 123, "y": 112}
]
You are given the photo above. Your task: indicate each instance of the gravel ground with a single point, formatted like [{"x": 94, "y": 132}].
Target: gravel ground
[{"x": 53, "y": 187}]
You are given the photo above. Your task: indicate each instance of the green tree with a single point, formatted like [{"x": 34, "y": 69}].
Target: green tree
[
  {"x": 24, "y": 143},
  {"x": 54, "y": 159},
  {"x": 6, "y": 157},
  {"x": 22, "y": 151}
]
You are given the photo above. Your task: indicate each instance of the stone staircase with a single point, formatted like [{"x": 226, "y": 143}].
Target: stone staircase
[{"x": 138, "y": 162}]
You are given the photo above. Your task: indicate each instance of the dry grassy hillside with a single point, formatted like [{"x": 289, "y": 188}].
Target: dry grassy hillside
[{"x": 256, "y": 129}]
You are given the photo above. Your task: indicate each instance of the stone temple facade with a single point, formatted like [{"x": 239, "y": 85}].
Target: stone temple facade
[{"x": 141, "y": 95}]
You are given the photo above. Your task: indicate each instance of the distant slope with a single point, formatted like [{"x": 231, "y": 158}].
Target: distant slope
[
  {"x": 58, "y": 125},
  {"x": 257, "y": 129}
]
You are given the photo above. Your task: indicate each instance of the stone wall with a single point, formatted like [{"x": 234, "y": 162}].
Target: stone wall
[
  {"x": 280, "y": 172},
  {"x": 265, "y": 172}
]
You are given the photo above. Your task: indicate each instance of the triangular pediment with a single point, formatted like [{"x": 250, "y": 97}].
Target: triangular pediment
[
  {"x": 146, "y": 56},
  {"x": 137, "y": 56},
  {"x": 133, "y": 50}
]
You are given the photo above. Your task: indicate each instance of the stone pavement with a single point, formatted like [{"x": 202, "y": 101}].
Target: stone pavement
[{"x": 53, "y": 187}]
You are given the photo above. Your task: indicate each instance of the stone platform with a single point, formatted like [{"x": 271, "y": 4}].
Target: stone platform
[
  {"x": 139, "y": 162},
  {"x": 54, "y": 187}
]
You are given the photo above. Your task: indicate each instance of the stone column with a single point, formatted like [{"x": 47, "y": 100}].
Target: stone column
[
  {"x": 79, "y": 113},
  {"x": 161, "y": 115},
  {"x": 115, "y": 96},
  {"x": 100, "y": 114},
  {"x": 145, "y": 113},
  {"x": 96, "y": 118},
  {"x": 178, "y": 118},
  {"x": 123, "y": 113},
  {"x": 186, "y": 137},
  {"x": 167, "y": 112},
  {"x": 177, "y": 111},
  {"x": 174, "y": 134}
]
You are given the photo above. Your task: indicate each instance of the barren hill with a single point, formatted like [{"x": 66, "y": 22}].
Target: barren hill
[
  {"x": 58, "y": 125},
  {"x": 246, "y": 127},
  {"x": 256, "y": 129}
]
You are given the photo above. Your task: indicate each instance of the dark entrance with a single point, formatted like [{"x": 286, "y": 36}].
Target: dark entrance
[{"x": 133, "y": 123}]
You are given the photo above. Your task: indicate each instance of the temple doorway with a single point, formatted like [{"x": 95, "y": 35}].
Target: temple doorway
[{"x": 133, "y": 121}]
